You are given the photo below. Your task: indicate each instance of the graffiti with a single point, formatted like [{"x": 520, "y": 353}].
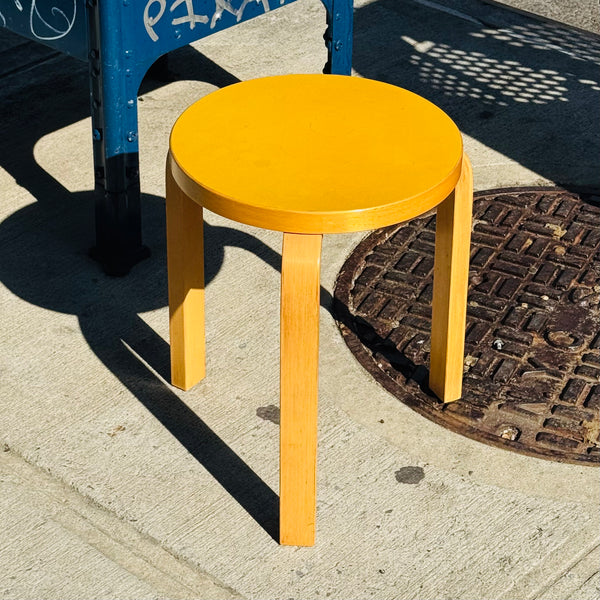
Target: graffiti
[
  {"x": 61, "y": 22},
  {"x": 155, "y": 10},
  {"x": 54, "y": 21},
  {"x": 190, "y": 17},
  {"x": 151, "y": 21},
  {"x": 225, "y": 5}
]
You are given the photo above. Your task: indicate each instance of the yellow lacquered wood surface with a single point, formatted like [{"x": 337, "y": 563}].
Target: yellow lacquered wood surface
[
  {"x": 185, "y": 262},
  {"x": 450, "y": 286},
  {"x": 301, "y": 260},
  {"x": 316, "y": 154}
]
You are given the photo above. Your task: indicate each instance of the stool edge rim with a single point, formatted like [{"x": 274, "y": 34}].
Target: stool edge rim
[{"x": 315, "y": 222}]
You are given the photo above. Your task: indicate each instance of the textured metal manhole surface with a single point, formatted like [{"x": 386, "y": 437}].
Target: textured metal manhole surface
[{"x": 532, "y": 354}]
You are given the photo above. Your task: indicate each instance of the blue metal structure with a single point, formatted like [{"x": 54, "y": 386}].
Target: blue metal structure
[{"x": 121, "y": 39}]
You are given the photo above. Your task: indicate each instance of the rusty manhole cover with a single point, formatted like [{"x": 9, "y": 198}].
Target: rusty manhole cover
[{"x": 532, "y": 355}]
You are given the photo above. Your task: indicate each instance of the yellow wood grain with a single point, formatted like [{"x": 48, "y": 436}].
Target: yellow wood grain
[
  {"x": 185, "y": 262},
  {"x": 450, "y": 285},
  {"x": 299, "y": 384}
]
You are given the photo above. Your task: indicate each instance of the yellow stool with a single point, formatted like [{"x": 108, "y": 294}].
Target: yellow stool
[{"x": 308, "y": 155}]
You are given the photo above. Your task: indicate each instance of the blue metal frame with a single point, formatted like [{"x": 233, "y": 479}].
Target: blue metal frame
[{"x": 121, "y": 39}]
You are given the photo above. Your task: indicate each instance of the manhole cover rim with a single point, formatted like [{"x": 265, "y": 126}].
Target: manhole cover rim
[{"x": 343, "y": 288}]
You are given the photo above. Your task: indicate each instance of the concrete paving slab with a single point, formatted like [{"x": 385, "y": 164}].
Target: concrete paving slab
[
  {"x": 519, "y": 87},
  {"x": 582, "y": 580},
  {"x": 583, "y": 14},
  {"x": 85, "y": 393},
  {"x": 58, "y": 545}
]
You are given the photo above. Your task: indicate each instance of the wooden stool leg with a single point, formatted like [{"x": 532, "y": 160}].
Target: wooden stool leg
[
  {"x": 185, "y": 262},
  {"x": 450, "y": 284},
  {"x": 301, "y": 259}
]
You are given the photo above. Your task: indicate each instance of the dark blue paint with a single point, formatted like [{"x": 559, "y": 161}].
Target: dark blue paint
[{"x": 60, "y": 24}]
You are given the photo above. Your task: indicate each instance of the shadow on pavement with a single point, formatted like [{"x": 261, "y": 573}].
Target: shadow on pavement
[
  {"x": 44, "y": 248},
  {"x": 45, "y": 261}
]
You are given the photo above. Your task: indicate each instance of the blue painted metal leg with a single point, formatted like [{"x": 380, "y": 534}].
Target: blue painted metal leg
[
  {"x": 113, "y": 85},
  {"x": 338, "y": 36}
]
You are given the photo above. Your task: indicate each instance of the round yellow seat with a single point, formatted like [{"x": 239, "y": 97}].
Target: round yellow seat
[
  {"x": 308, "y": 155},
  {"x": 315, "y": 154}
]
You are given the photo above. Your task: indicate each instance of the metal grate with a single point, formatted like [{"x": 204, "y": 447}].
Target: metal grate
[{"x": 532, "y": 354}]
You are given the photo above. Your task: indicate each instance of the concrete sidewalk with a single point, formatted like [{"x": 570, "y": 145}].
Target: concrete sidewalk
[
  {"x": 114, "y": 484},
  {"x": 583, "y": 14}
]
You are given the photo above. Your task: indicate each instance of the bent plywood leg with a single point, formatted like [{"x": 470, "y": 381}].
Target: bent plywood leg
[
  {"x": 450, "y": 284},
  {"x": 113, "y": 92},
  {"x": 299, "y": 380},
  {"x": 185, "y": 261}
]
